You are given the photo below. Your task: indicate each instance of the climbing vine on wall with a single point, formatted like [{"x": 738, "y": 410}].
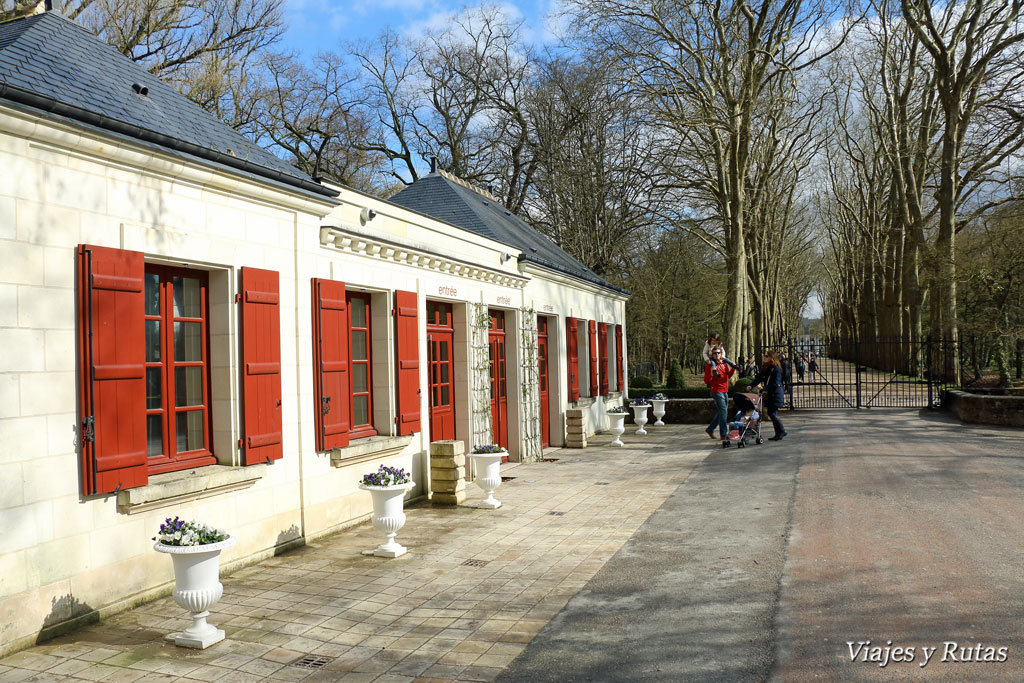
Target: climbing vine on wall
[
  {"x": 480, "y": 382},
  {"x": 529, "y": 380}
]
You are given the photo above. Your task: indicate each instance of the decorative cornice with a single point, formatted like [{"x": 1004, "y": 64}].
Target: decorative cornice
[{"x": 386, "y": 250}]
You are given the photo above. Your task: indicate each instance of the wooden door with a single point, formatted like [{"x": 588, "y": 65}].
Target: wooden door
[
  {"x": 440, "y": 341},
  {"x": 499, "y": 398},
  {"x": 542, "y": 369}
]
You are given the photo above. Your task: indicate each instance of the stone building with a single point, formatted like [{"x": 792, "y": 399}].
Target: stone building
[{"x": 189, "y": 326}]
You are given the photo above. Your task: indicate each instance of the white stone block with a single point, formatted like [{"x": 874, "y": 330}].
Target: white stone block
[
  {"x": 8, "y": 221},
  {"x": 12, "y": 574},
  {"x": 8, "y": 305},
  {"x": 48, "y": 224},
  {"x": 46, "y": 308},
  {"x": 10, "y": 395},
  {"x": 24, "y": 350},
  {"x": 60, "y": 267},
  {"x": 44, "y": 521},
  {"x": 22, "y": 438},
  {"x": 43, "y": 393},
  {"x": 73, "y": 188},
  {"x": 58, "y": 559},
  {"x": 23, "y": 263},
  {"x": 101, "y": 230},
  {"x": 73, "y": 515},
  {"x": 12, "y": 485},
  {"x": 49, "y": 477},
  {"x": 20, "y": 529},
  {"x": 60, "y": 350}
]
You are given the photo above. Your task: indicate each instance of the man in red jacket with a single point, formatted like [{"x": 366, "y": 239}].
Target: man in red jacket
[{"x": 716, "y": 375}]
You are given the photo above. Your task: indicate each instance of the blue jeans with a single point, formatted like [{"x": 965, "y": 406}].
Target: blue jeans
[{"x": 721, "y": 420}]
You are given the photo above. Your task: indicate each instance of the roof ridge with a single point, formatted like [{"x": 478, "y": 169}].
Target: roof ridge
[{"x": 466, "y": 184}]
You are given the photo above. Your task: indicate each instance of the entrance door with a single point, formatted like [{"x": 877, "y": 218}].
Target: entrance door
[
  {"x": 440, "y": 336},
  {"x": 499, "y": 400},
  {"x": 542, "y": 368}
]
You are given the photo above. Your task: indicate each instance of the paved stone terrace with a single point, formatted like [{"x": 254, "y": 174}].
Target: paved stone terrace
[{"x": 424, "y": 617}]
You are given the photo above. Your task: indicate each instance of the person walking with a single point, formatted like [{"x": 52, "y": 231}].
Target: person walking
[
  {"x": 773, "y": 398},
  {"x": 812, "y": 365},
  {"x": 800, "y": 367},
  {"x": 717, "y": 372}
]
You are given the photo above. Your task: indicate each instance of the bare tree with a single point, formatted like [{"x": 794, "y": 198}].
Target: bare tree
[
  {"x": 595, "y": 164},
  {"x": 976, "y": 54},
  {"x": 308, "y": 114},
  {"x": 172, "y": 37},
  {"x": 705, "y": 67}
]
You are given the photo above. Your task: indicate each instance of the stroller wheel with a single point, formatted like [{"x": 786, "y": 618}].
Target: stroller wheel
[
  {"x": 741, "y": 444},
  {"x": 760, "y": 441}
]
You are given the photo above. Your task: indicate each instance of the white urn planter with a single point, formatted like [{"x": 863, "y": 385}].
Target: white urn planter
[
  {"x": 659, "y": 411},
  {"x": 487, "y": 467},
  {"x": 388, "y": 517},
  {"x": 617, "y": 426},
  {"x": 640, "y": 418},
  {"x": 197, "y": 588}
]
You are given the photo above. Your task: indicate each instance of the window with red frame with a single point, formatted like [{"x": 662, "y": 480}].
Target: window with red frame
[
  {"x": 177, "y": 368},
  {"x": 360, "y": 377}
]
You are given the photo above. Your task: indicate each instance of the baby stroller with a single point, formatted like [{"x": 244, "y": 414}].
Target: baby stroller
[{"x": 752, "y": 427}]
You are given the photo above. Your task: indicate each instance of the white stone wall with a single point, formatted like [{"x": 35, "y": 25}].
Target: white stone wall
[{"x": 62, "y": 187}]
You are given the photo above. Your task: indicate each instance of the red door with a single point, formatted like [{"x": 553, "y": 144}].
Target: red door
[
  {"x": 542, "y": 367},
  {"x": 499, "y": 399},
  {"x": 440, "y": 340}
]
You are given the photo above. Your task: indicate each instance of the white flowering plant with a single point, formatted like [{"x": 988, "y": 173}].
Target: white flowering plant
[
  {"x": 639, "y": 402},
  {"x": 659, "y": 397},
  {"x": 488, "y": 448},
  {"x": 179, "y": 532},
  {"x": 617, "y": 410}
]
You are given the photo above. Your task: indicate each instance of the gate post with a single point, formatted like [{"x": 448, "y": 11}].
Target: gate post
[
  {"x": 792, "y": 362},
  {"x": 928, "y": 369},
  {"x": 857, "y": 370}
]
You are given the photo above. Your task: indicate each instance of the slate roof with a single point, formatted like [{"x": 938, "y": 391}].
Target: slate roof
[
  {"x": 51, "y": 64},
  {"x": 447, "y": 200}
]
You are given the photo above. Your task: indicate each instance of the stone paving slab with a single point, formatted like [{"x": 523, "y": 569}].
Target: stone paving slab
[
  {"x": 426, "y": 616},
  {"x": 907, "y": 530}
]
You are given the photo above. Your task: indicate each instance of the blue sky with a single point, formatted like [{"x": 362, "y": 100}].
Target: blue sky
[{"x": 317, "y": 25}]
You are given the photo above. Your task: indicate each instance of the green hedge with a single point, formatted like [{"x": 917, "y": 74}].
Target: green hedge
[{"x": 689, "y": 392}]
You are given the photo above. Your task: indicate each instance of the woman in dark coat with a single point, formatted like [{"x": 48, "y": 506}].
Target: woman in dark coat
[{"x": 772, "y": 397}]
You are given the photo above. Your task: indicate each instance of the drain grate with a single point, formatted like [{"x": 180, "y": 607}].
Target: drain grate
[
  {"x": 313, "y": 662},
  {"x": 549, "y": 459},
  {"x": 555, "y": 513},
  {"x": 507, "y": 478},
  {"x": 601, "y": 483},
  {"x": 475, "y": 563}
]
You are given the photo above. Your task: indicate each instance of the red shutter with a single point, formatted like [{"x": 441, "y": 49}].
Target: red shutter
[
  {"x": 261, "y": 362},
  {"x": 573, "y": 355},
  {"x": 592, "y": 328},
  {"x": 330, "y": 364},
  {"x": 112, "y": 358},
  {"x": 602, "y": 345},
  {"x": 407, "y": 351},
  {"x": 618, "y": 357}
]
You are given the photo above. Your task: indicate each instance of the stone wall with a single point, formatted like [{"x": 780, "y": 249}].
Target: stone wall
[
  {"x": 687, "y": 411},
  {"x": 1007, "y": 411}
]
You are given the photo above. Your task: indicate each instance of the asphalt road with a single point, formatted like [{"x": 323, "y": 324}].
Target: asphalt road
[{"x": 862, "y": 526}]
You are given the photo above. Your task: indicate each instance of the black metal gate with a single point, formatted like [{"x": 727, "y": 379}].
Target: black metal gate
[{"x": 881, "y": 373}]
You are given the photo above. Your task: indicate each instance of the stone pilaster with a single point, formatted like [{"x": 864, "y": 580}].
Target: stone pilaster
[
  {"x": 575, "y": 428},
  {"x": 448, "y": 472}
]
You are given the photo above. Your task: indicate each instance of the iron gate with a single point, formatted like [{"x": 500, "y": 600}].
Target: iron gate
[{"x": 881, "y": 373}]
